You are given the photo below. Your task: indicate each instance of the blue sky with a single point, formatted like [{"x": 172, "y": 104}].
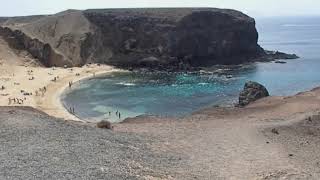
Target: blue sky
[{"x": 254, "y": 8}]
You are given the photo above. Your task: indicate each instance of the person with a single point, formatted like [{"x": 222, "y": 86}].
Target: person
[
  {"x": 109, "y": 113},
  {"x": 119, "y": 115}
]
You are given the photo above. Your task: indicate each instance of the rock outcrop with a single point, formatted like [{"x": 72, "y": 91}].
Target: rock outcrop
[
  {"x": 18, "y": 40},
  {"x": 192, "y": 36},
  {"x": 252, "y": 91},
  {"x": 154, "y": 38}
]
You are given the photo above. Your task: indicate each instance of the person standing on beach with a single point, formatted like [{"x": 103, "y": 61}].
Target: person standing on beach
[{"x": 119, "y": 115}]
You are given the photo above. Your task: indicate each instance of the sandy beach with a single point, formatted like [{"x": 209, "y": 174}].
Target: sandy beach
[{"x": 25, "y": 82}]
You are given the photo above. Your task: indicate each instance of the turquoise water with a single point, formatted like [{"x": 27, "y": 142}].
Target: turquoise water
[{"x": 163, "y": 94}]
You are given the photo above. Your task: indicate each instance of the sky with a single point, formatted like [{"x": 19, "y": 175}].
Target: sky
[{"x": 255, "y": 8}]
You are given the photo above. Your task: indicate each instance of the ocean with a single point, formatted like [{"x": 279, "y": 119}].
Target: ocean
[{"x": 180, "y": 94}]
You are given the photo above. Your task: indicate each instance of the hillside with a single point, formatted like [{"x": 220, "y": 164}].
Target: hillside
[{"x": 162, "y": 38}]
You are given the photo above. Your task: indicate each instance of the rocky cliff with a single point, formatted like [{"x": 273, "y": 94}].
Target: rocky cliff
[
  {"x": 157, "y": 38},
  {"x": 17, "y": 40}
]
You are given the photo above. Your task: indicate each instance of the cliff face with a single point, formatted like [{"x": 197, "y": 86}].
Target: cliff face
[
  {"x": 42, "y": 51},
  {"x": 158, "y": 38},
  {"x": 170, "y": 36}
]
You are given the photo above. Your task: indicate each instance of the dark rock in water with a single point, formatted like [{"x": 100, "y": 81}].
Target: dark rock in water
[
  {"x": 280, "y": 62},
  {"x": 252, "y": 91},
  {"x": 274, "y": 55},
  {"x": 104, "y": 125}
]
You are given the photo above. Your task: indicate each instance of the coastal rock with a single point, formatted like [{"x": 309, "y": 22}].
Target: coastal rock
[
  {"x": 42, "y": 51},
  {"x": 280, "y": 62},
  {"x": 157, "y": 38},
  {"x": 252, "y": 91},
  {"x": 198, "y": 37},
  {"x": 104, "y": 125},
  {"x": 276, "y": 55},
  {"x": 149, "y": 61}
]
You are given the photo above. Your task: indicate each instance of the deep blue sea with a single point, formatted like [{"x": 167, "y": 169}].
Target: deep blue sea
[{"x": 162, "y": 94}]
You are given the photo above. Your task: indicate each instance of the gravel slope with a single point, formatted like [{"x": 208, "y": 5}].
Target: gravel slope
[{"x": 36, "y": 146}]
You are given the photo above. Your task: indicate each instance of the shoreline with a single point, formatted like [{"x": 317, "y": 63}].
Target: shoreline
[
  {"x": 24, "y": 83},
  {"x": 52, "y": 104},
  {"x": 57, "y": 97},
  {"x": 64, "y": 90},
  {"x": 268, "y": 138}
]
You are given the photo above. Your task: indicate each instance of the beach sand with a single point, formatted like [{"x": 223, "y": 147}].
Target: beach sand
[
  {"x": 17, "y": 80},
  {"x": 21, "y": 74}
]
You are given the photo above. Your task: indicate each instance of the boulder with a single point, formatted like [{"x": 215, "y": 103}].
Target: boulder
[
  {"x": 104, "y": 125},
  {"x": 252, "y": 91}
]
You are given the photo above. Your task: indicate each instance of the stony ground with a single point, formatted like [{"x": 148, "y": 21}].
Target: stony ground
[
  {"x": 273, "y": 138},
  {"x": 36, "y": 146}
]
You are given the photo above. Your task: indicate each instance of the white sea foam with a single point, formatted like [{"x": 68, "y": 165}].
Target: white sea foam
[
  {"x": 126, "y": 84},
  {"x": 203, "y": 84}
]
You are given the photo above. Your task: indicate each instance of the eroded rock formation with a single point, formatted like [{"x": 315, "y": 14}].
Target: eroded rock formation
[{"x": 18, "y": 40}]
